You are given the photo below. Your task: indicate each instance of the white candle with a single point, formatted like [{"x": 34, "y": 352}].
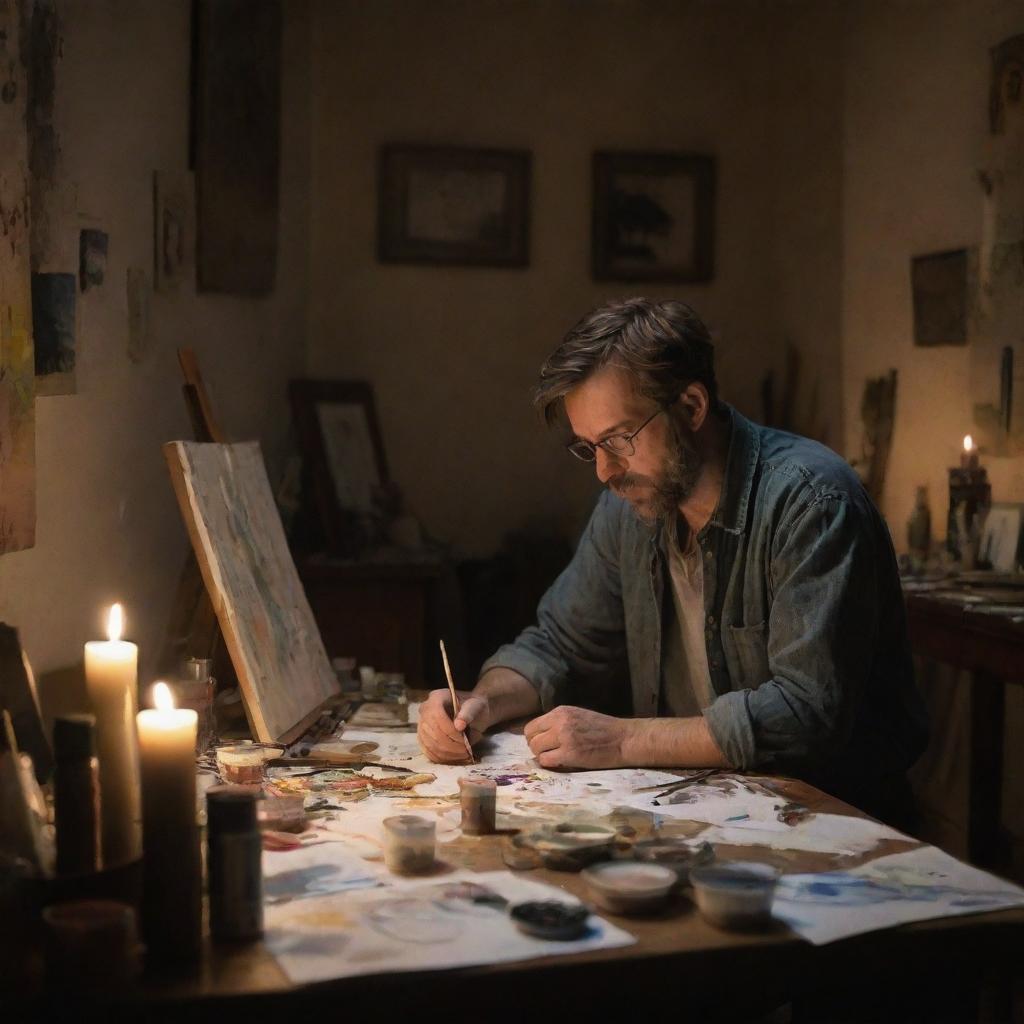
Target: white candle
[
  {"x": 111, "y": 678},
  {"x": 171, "y": 866}
]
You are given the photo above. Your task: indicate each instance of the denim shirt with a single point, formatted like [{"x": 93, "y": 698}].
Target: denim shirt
[{"x": 804, "y": 617}]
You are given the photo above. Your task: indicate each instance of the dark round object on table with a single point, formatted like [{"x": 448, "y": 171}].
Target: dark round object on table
[{"x": 551, "y": 919}]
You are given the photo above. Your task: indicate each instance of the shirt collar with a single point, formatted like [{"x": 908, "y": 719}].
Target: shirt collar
[{"x": 740, "y": 468}]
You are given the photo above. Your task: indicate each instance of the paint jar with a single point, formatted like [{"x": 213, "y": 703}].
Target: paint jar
[
  {"x": 76, "y": 795},
  {"x": 234, "y": 864},
  {"x": 409, "y": 843},
  {"x": 195, "y": 689},
  {"x": 392, "y": 688},
  {"x": 368, "y": 682},
  {"x": 478, "y": 800},
  {"x": 244, "y": 764}
]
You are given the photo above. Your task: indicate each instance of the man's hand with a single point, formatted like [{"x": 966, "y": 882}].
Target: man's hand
[
  {"x": 440, "y": 737},
  {"x": 571, "y": 737}
]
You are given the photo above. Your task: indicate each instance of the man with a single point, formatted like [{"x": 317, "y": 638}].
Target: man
[{"x": 736, "y": 578}]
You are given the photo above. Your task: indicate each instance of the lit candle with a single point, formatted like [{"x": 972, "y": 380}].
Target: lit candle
[
  {"x": 171, "y": 868},
  {"x": 110, "y": 678},
  {"x": 969, "y": 456}
]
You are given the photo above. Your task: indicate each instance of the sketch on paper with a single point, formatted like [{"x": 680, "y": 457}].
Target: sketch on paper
[
  {"x": 92, "y": 258},
  {"x": 236, "y": 532},
  {"x": 173, "y": 229}
]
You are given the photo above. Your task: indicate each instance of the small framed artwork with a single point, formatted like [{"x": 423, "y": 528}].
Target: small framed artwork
[
  {"x": 1000, "y": 546},
  {"x": 940, "y": 289},
  {"x": 343, "y": 456},
  {"x": 451, "y": 205},
  {"x": 653, "y": 217}
]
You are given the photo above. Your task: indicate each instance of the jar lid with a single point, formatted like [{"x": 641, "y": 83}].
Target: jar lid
[
  {"x": 74, "y": 736},
  {"x": 231, "y": 808}
]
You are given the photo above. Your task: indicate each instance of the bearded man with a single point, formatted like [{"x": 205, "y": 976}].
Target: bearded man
[{"x": 734, "y": 580}]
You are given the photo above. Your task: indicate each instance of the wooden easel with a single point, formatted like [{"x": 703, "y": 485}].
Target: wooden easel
[{"x": 193, "y": 630}]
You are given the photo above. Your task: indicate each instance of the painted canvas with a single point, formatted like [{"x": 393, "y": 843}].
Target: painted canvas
[
  {"x": 53, "y": 323},
  {"x": 17, "y": 366},
  {"x": 235, "y": 528},
  {"x": 92, "y": 258}
]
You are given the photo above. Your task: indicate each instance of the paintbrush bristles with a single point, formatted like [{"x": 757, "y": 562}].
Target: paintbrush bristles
[{"x": 455, "y": 699}]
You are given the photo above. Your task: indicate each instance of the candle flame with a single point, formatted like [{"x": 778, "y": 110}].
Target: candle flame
[
  {"x": 163, "y": 699},
  {"x": 115, "y": 622},
  {"x": 968, "y": 443}
]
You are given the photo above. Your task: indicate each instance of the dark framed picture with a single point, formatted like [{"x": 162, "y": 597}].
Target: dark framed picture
[
  {"x": 450, "y": 205},
  {"x": 344, "y": 466},
  {"x": 653, "y": 217},
  {"x": 939, "y": 282}
]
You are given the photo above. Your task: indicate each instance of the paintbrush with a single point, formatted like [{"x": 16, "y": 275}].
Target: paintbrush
[
  {"x": 455, "y": 700},
  {"x": 676, "y": 786}
]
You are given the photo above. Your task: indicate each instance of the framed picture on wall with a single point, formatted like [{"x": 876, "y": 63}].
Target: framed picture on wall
[
  {"x": 343, "y": 457},
  {"x": 653, "y": 217},
  {"x": 1000, "y": 548},
  {"x": 451, "y": 205}
]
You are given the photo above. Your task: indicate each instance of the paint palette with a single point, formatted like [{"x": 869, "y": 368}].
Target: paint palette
[{"x": 551, "y": 919}]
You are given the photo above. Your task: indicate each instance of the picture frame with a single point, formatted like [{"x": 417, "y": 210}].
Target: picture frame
[
  {"x": 653, "y": 217},
  {"x": 344, "y": 466},
  {"x": 1001, "y": 547},
  {"x": 940, "y": 288},
  {"x": 454, "y": 206}
]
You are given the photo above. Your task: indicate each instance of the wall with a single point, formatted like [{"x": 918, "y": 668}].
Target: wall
[
  {"x": 917, "y": 79},
  {"x": 453, "y": 352},
  {"x": 108, "y": 525}
]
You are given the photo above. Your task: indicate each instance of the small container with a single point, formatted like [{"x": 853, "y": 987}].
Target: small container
[
  {"x": 550, "y": 919},
  {"x": 409, "y": 844},
  {"x": 345, "y": 670},
  {"x": 244, "y": 764},
  {"x": 622, "y": 887},
  {"x": 368, "y": 682},
  {"x": 391, "y": 687},
  {"x": 91, "y": 946},
  {"x": 681, "y": 855},
  {"x": 285, "y": 813},
  {"x": 76, "y": 795},
  {"x": 234, "y": 864},
  {"x": 736, "y": 896},
  {"x": 478, "y": 800},
  {"x": 196, "y": 690}
]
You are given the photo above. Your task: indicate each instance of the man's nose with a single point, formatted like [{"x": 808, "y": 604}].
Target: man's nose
[{"x": 606, "y": 465}]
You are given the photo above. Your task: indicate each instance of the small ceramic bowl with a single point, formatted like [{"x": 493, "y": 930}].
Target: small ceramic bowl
[
  {"x": 570, "y": 847},
  {"x": 244, "y": 763},
  {"x": 737, "y": 895},
  {"x": 282, "y": 813},
  {"x": 629, "y": 887},
  {"x": 550, "y": 919},
  {"x": 681, "y": 855}
]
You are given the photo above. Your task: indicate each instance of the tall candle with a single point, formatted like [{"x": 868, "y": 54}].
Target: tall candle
[
  {"x": 171, "y": 896},
  {"x": 969, "y": 456},
  {"x": 111, "y": 678}
]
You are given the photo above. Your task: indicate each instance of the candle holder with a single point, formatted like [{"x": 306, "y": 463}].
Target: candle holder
[{"x": 969, "y": 493}]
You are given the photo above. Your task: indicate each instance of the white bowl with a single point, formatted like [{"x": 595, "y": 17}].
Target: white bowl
[
  {"x": 629, "y": 887},
  {"x": 737, "y": 895}
]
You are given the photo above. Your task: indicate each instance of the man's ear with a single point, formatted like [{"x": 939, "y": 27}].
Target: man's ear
[{"x": 694, "y": 404}]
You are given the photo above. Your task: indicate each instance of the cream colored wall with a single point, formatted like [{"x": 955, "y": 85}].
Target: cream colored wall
[
  {"x": 917, "y": 79},
  {"x": 108, "y": 525},
  {"x": 452, "y": 352}
]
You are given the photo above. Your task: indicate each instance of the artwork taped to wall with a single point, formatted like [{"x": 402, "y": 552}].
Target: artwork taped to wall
[
  {"x": 237, "y": 143},
  {"x": 452, "y": 205},
  {"x": 941, "y": 303},
  {"x": 174, "y": 233},
  {"x": 53, "y": 331},
  {"x": 17, "y": 365},
  {"x": 653, "y": 217},
  {"x": 92, "y": 258},
  {"x": 236, "y": 533}
]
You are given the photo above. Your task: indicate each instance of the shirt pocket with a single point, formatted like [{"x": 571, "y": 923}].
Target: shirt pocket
[{"x": 747, "y": 655}]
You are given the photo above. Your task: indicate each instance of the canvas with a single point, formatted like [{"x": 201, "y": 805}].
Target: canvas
[{"x": 228, "y": 507}]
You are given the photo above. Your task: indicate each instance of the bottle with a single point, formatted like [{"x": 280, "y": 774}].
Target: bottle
[
  {"x": 234, "y": 864},
  {"x": 76, "y": 795},
  {"x": 919, "y": 530}
]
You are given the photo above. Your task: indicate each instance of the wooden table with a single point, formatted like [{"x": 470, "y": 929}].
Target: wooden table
[
  {"x": 678, "y": 959},
  {"x": 991, "y": 648}
]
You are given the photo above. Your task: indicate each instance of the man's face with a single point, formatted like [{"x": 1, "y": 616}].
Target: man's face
[{"x": 664, "y": 469}]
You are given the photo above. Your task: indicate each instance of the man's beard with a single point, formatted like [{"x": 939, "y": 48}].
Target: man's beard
[{"x": 673, "y": 485}]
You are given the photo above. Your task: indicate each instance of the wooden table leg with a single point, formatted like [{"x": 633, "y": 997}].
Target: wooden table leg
[{"x": 986, "y": 769}]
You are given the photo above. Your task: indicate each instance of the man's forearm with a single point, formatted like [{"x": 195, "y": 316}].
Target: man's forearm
[
  {"x": 671, "y": 743},
  {"x": 508, "y": 695}
]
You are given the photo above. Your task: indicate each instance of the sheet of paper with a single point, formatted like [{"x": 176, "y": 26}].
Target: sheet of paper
[
  {"x": 415, "y": 926},
  {"x": 820, "y": 833},
  {"x": 313, "y": 870},
  {"x": 918, "y": 885}
]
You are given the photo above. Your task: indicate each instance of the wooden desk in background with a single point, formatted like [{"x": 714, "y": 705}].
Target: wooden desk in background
[
  {"x": 990, "y": 646},
  {"x": 375, "y": 612}
]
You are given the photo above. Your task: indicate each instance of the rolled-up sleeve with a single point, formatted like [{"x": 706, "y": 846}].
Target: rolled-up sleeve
[
  {"x": 821, "y": 632},
  {"x": 580, "y": 621}
]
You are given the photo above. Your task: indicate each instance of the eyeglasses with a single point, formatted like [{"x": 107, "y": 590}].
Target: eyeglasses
[{"x": 618, "y": 444}]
